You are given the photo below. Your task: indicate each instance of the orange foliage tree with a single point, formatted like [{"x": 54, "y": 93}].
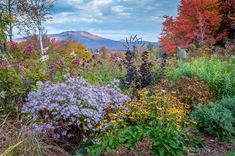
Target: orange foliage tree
[
  {"x": 197, "y": 22},
  {"x": 72, "y": 48}
]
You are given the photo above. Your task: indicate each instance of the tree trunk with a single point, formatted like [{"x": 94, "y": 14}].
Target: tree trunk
[
  {"x": 40, "y": 40},
  {"x": 5, "y": 46},
  {"x": 1, "y": 47},
  {"x": 10, "y": 32},
  {"x": 10, "y": 15}
]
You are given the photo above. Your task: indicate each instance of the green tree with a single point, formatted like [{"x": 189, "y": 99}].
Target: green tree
[
  {"x": 151, "y": 50},
  {"x": 4, "y": 21},
  {"x": 36, "y": 12},
  {"x": 104, "y": 53}
]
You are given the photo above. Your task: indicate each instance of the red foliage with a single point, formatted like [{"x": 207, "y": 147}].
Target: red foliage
[
  {"x": 197, "y": 22},
  {"x": 33, "y": 41},
  {"x": 168, "y": 39},
  {"x": 12, "y": 46},
  {"x": 228, "y": 22},
  {"x": 116, "y": 57}
]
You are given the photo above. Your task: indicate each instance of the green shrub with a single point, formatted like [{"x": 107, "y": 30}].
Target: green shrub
[
  {"x": 215, "y": 120},
  {"x": 11, "y": 88},
  {"x": 167, "y": 140},
  {"x": 229, "y": 103},
  {"x": 230, "y": 153},
  {"x": 159, "y": 117},
  {"x": 219, "y": 74},
  {"x": 15, "y": 84}
]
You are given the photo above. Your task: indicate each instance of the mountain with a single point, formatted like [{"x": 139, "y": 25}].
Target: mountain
[{"x": 91, "y": 41}]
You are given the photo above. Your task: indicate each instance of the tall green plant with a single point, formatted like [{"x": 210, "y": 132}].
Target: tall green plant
[{"x": 218, "y": 73}]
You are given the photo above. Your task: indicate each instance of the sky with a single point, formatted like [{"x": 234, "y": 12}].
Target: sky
[{"x": 113, "y": 19}]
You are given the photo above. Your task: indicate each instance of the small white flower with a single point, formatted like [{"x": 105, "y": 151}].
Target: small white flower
[
  {"x": 73, "y": 54},
  {"x": 44, "y": 58}
]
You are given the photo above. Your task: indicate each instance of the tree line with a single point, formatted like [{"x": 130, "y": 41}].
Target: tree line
[
  {"x": 200, "y": 23},
  {"x": 24, "y": 16}
]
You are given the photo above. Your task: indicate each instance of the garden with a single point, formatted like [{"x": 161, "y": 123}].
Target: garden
[{"x": 67, "y": 100}]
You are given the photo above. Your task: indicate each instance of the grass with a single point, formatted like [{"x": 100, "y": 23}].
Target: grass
[
  {"x": 14, "y": 141},
  {"x": 219, "y": 74},
  {"x": 102, "y": 74}
]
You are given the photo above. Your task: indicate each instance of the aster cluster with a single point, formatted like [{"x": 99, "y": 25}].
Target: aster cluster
[{"x": 71, "y": 108}]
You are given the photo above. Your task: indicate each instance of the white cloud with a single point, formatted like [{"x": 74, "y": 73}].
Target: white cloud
[
  {"x": 95, "y": 7},
  {"x": 74, "y": 2},
  {"x": 69, "y": 17},
  {"x": 120, "y": 10}
]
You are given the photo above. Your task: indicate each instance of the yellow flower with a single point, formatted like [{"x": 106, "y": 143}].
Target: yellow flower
[
  {"x": 159, "y": 108},
  {"x": 105, "y": 120},
  {"x": 112, "y": 114},
  {"x": 177, "y": 127},
  {"x": 119, "y": 120},
  {"x": 113, "y": 121},
  {"x": 99, "y": 127},
  {"x": 194, "y": 122}
]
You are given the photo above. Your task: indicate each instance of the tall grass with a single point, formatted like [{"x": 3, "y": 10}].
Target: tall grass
[
  {"x": 101, "y": 74},
  {"x": 218, "y": 73},
  {"x": 15, "y": 141}
]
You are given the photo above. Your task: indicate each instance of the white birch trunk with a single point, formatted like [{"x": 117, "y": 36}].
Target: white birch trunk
[{"x": 40, "y": 40}]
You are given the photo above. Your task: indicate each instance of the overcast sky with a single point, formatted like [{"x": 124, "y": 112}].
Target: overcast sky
[{"x": 114, "y": 19}]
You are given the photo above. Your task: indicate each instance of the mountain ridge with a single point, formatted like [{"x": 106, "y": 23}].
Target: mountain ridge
[{"x": 91, "y": 41}]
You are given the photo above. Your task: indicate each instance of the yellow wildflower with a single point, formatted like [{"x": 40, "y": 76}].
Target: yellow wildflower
[{"x": 99, "y": 127}]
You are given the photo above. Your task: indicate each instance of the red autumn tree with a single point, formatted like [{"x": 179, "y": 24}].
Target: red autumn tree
[
  {"x": 169, "y": 39},
  {"x": 197, "y": 22},
  {"x": 228, "y": 19}
]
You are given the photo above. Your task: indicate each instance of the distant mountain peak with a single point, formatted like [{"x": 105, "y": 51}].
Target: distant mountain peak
[
  {"x": 89, "y": 40},
  {"x": 82, "y": 34}
]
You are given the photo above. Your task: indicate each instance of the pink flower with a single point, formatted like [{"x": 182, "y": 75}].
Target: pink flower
[
  {"x": 76, "y": 62},
  {"x": 29, "y": 49},
  {"x": 13, "y": 46},
  {"x": 21, "y": 67},
  {"x": 5, "y": 64},
  {"x": 61, "y": 62},
  {"x": 54, "y": 69}
]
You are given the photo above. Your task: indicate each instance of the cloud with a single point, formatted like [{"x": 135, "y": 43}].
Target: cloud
[
  {"x": 70, "y": 17},
  {"x": 115, "y": 19},
  {"x": 120, "y": 10}
]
